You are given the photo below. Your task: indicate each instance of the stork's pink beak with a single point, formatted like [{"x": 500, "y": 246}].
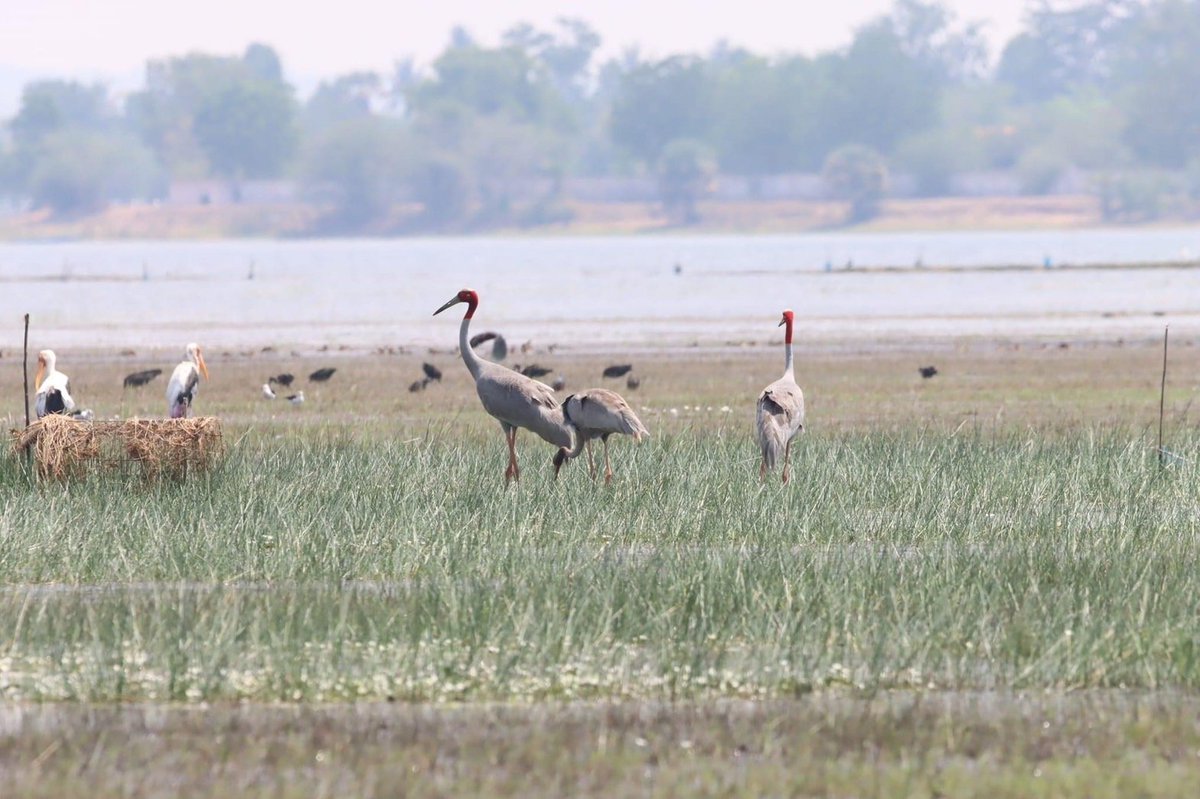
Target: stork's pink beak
[
  {"x": 200, "y": 362},
  {"x": 37, "y": 380},
  {"x": 455, "y": 300}
]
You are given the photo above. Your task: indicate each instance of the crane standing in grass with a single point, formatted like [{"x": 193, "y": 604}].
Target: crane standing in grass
[
  {"x": 515, "y": 400},
  {"x": 598, "y": 413},
  {"x": 780, "y": 411},
  {"x": 185, "y": 382}
]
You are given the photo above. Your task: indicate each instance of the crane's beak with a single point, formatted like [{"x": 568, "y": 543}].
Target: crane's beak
[
  {"x": 453, "y": 301},
  {"x": 200, "y": 362},
  {"x": 37, "y": 380},
  {"x": 782, "y": 322}
]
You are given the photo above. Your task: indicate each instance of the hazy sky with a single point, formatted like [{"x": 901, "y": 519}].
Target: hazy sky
[{"x": 112, "y": 39}]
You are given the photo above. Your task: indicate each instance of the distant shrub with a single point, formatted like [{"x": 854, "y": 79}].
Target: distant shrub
[{"x": 858, "y": 174}]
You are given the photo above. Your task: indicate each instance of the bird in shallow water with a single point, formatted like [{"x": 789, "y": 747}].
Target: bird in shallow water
[
  {"x": 321, "y": 375},
  {"x": 53, "y": 391},
  {"x": 185, "y": 382},
  {"x": 513, "y": 399}
]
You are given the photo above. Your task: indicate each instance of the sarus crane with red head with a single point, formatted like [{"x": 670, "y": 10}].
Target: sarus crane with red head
[
  {"x": 780, "y": 411},
  {"x": 185, "y": 382},
  {"x": 515, "y": 400}
]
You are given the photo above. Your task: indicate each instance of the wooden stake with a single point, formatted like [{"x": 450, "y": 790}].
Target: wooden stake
[
  {"x": 1162, "y": 397},
  {"x": 25, "y": 369}
]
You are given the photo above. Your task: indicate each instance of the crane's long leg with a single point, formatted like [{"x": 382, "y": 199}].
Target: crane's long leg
[
  {"x": 607, "y": 466},
  {"x": 787, "y": 450},
  {"x": 762, "y": 469},
  {"x": 512, "y": 472},
  {"x": 591, "y": 463}
]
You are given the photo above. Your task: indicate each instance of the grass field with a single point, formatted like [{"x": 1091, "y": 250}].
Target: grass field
[{"x": 983, "y": 584}]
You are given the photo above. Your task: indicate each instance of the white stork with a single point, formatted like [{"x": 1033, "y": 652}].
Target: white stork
[
  {"x": 780, "y": 411},
  {"x": 185, "y": 382},
  {"x": 54, "y": 392},
  {"x": 598, "y": 413},
  {"x": 513, "y": 399}
]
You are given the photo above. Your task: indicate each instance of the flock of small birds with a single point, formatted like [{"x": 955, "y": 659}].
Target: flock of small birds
[{"x": 285, "y": 380}]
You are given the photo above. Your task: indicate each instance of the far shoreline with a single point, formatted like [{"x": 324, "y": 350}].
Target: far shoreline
[{"x": 302, "y": 222}]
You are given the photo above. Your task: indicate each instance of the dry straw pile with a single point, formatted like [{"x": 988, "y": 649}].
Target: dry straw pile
[{"x": 65, "y": 448}]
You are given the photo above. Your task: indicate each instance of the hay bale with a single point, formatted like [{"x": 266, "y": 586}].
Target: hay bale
[{"x": 64, "y": 448}]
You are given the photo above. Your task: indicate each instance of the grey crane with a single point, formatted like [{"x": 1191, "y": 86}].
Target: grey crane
[
  {"x": 515, "y": 400},
  {"x": 598, "y": 413},
  {"x": 780, "y": 411}
]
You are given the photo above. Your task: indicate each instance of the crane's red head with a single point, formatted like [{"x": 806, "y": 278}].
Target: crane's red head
[
  {"x": 466, "y": 295},
  {"x": 788, "y": 319}
]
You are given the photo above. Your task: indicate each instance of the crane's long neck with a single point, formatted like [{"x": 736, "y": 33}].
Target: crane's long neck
[
  {"x": 788, "y": 368},
  {"x": 464, "y": 343}
]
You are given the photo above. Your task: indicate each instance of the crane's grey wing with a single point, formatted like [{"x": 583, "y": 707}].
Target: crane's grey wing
[
  {"x": 521, "y": 401},
  {"x": 601, "y": 411}
]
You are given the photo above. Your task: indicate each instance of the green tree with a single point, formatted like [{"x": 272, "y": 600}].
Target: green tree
[
  {"x": 55, "y": 105},
  {"x": 344, "y": 99},
  {"x": 79, "y": 171},
  {"x": 857, "y": 174},
  {"x": 247, "y": 129},
  {"x": 216, "y": 114},
  {"x": 358, "y": 164},
  {"x": 659, "y": 102},
  {"x": 686, "y": 169}
]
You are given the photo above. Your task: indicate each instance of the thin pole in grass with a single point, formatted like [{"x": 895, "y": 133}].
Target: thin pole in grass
[
  {"x": 25, "y": 369},
  {"x": 1162, "y": 397}
]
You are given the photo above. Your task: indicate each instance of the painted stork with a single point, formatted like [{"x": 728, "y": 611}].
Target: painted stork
[
  {"x": 185, "y": 382},
  {"x": 53, "y": 392},
  {"x": 515, "y": 400},
  {"x": 780, "y": 411},
  {"x": 598, "y": 413}
]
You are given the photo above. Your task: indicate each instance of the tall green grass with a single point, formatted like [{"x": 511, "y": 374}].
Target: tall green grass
[{"x": 329, "y": 567}]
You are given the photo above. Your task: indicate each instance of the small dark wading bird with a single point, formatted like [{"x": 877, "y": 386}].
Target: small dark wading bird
[
  {"x": 284, "y": 379},
  {"x": 185, "y": 382},
  {"x": 139, "y": 379},
  {"x": 618, "y": 370},
  {"x": 54, "y": 392},
  {"x": 780, "y": 411},
  {"x": 499, "y": 345},
  {"x": 321, "y": 375},
  {"x": 927, "y": 371},
  {"x": 432, "y": 372},
  {"x": 515, "y": 400},
  {"x": 598, "y": 413}
]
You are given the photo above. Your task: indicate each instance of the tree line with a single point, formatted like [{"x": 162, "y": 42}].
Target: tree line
[{"x": 1107, "y": 87}]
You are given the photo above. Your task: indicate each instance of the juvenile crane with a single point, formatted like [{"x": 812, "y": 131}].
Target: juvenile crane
[
  {"x": 598, "y": 413},
  {"x": 780, "y": 411},
  {"x": 185, "y": 382},
  {"x": 515, "y": 400},
  {"x": 54, "y": 392}
]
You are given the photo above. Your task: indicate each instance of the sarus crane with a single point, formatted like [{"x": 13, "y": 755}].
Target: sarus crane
[
  {"x": 598, "y": 413},
  {"x": 515, "y": 400},
  {"x": 780, "y": 411}
]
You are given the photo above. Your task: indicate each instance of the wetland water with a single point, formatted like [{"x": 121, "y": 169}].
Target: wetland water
[{"x": 603, "y": 290}]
